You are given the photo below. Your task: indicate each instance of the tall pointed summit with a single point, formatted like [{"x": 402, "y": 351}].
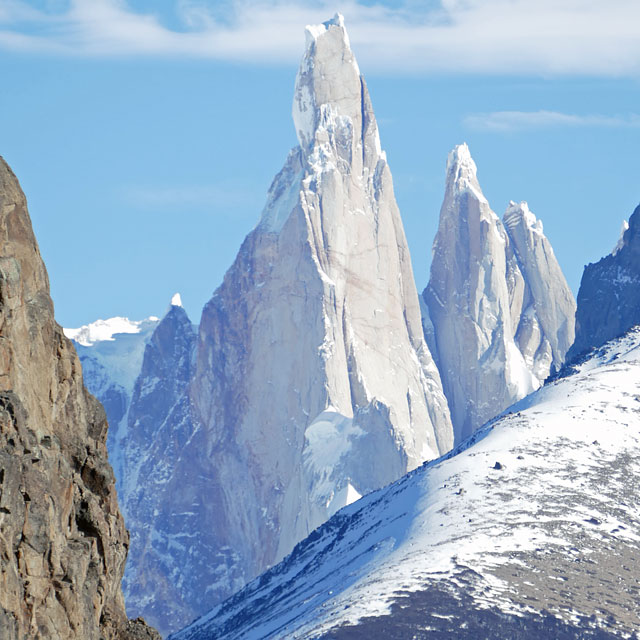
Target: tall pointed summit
[
  {"x": 313, "y": 383},
  {"x": 502, "y": 312}
]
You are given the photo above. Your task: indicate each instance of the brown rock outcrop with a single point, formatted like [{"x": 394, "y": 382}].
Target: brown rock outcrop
[{"x": 63, "y": 542}]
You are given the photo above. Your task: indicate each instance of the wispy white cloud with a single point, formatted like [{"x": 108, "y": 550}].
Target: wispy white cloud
[
  {"x": 471, "y": 36},
  {"x": 183, "y": 198},
  {"x": 523, "y": 120}
]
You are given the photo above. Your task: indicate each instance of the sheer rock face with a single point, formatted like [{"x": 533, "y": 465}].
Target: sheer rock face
[
  {"x": 313, "y": 383},
  {"x": 63, "y": 542},
  {"x": 501, "y": 314},
  {"x": 159, "y": 426},
  {"x": 609, "y": 295}
]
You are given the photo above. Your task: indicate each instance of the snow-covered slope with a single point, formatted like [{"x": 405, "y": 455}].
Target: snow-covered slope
[
  {"x": 111, "y": 353},
  {"x": 530, "y": 529},
  {"x": 500, "y": 312}
]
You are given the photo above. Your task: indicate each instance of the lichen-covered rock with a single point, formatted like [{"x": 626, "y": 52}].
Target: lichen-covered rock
[{"x": 63, "y": 542}]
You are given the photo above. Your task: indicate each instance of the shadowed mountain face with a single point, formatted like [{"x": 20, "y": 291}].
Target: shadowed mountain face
[
  {"x": 609, "y": 295},
  {"x": 63, "y": 542},
  {"x": 527, "y": 530}
]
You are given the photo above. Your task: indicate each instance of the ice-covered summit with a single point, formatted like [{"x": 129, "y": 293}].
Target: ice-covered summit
[
  {"x": 620, "y": 243},
  {"x": 518, "y": 213},
  {"x": 462, "y": 174},
  {"x": 330, "y": 93},
  {"x": 314, "y": 31},
  {"x": 102, "y": 330}
]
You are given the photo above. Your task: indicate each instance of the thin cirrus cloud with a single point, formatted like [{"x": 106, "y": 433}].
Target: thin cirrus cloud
[
  {"x": 178, "y": 197},
  {"x": 468, "y": 36},
  {"x": 507, "y": 121}
]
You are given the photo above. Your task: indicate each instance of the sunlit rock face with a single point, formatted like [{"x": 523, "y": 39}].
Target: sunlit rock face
[
  {"x": 501, "y": 315},
  {"x": 312, "y": 383},
  {"x": 63, "y": 541}
]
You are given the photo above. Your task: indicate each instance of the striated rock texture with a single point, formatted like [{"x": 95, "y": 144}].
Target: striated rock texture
[
  {"x": 63, "y": 543},
  {"x": 501, "y": 315},
  {"x": 609, "y": 295},
  {"x": 313, "y": 383}
]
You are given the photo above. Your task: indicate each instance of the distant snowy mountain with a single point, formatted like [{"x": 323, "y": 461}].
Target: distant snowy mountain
[
  {"x": 111, "y": 353},
  {"x": 530, "y": 529},
  {"x": 499, "y": 313}
]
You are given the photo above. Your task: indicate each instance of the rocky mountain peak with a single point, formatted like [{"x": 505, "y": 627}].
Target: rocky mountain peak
[
  {"x": 609, "y": 295},
  {"x": 63, "y": 541},
  {"x": 631, "y": 235},
  {"x": 500, "y": 308},
  {"x": 312, "y": 382},
  {"x": 518, "y": 214},
  {"x": 462, "y": 173},
  {"x": 620, "y": 243},
  {"x": 331, "y": 100}
]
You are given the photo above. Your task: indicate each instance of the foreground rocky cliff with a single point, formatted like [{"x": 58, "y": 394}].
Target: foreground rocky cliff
[{"x": 63, "y": 542}]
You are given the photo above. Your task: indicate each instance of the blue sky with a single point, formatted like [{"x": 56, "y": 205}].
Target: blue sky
[{"x": 146, "y": 133}]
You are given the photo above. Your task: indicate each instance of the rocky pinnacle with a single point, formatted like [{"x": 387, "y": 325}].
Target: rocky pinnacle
[
  {"x": 313, "y": 384},
  {"x": 501, "y": 310}
]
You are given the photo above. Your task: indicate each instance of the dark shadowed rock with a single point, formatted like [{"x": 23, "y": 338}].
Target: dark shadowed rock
[
  {"x": 609, "y": 295},
  {"x": 159, "y": 427}
]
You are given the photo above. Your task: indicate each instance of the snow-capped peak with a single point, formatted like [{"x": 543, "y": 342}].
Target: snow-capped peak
[
  {"x": 176, "y": 300},
  {"x": 462, "y": 172},
  {"x": 314, "y": 31},
  {"x": 325, "y": 89},
  {"x": 620, "y": 243},
  {"x": 519, "y": 212},
  {"x": 102, "y": 330},
  {"x": 459, "y": 159}
]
